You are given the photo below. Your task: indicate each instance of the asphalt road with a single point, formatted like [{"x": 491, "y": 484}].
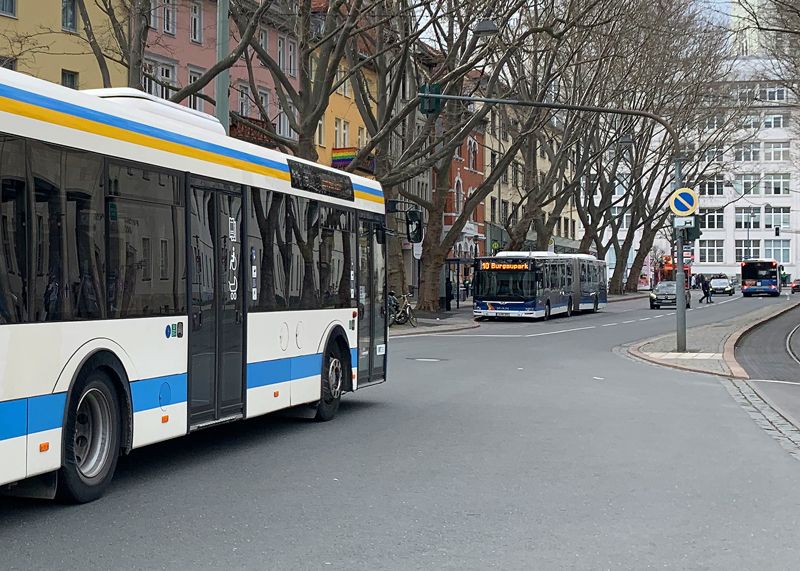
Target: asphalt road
[
  {"x": 775, "y": 374},
  {"x": 512, "y": 446}
]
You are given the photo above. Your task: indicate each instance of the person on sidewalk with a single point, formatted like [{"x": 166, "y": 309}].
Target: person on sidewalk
[{"x": 448, "y": 292}]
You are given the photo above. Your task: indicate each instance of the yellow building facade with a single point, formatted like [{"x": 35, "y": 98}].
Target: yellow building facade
[{"x": 40, "y": 39}]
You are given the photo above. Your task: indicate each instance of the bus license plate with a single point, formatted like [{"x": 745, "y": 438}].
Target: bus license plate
[{"x": 503, "y": 313}]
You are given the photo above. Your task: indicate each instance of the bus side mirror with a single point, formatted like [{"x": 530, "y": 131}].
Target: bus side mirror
[{"x": 414, "y": 226}]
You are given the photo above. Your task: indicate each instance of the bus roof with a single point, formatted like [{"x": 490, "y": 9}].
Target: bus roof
[
  {"x": 542, "y": 254},
  {"x": 760, "y": 260},
  {"x": 129, "y": 124}
]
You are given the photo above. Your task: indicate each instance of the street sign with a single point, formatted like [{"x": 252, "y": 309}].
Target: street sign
[
  {"x": 683, "y": 222},
  {"x": 683, "y": 202}
]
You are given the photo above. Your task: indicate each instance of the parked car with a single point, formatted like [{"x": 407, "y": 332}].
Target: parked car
[
  {"x": 796, "y": 285},
  {"x": 722, "y": 286},
  {"x": 665, "y": 294}
]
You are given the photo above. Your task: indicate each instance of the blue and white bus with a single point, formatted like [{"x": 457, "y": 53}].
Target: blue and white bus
[
  {"x": 158, "y": 277},
  {"x": 538, "y": 284},
  {"x": 761, "y": 277}
]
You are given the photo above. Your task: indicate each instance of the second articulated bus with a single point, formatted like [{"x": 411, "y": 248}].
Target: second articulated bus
[{"x": 538, "y": 284}]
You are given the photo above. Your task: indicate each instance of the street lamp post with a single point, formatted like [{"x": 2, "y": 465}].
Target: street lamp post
[{"x": 680, "y": 312}]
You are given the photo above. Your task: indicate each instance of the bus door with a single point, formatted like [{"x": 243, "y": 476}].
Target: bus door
[
  {"x": 371, "y": 302},
  {"x": 216, "y": 339}
]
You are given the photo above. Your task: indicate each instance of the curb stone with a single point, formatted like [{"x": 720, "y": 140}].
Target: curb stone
[{"x": 434, "y": 329}]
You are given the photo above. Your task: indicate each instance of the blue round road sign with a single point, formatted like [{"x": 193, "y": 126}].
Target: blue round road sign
[{"x": 683, "y": 202}]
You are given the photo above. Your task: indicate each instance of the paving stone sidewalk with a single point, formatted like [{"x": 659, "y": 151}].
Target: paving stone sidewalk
[{"x": 710, "y": 346}]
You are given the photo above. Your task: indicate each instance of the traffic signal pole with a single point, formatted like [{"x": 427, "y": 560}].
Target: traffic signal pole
[
  {"x": 680, "y": 276},
  {"x": 681, "y": 285}
]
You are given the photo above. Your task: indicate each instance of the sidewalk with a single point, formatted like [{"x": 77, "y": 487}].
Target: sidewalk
[
  {"x": 711, "y": 347},
  {"x": 438, "y": 322},
  {"x": 628, "y": 296}
]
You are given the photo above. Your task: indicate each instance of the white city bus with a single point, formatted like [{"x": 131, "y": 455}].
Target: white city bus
[{"x": 157, "y": 277}]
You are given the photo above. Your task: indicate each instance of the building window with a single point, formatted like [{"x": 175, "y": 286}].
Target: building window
[
  {"x": 772, "y": 93},
  {"x": 712, "y": 186},
  {"x": 472, "y": 154},
  {"x": 337, "y": 133},
  {"x": 711, "y": 251},
  {"x": 493, "y": 209},
  {"x": 623, "y": 221},
  {"x": 747, "y": 152},
  {"x": 712, "y": 218},
  {"x": 282, "y": 53},
  {"x": 195, "y": 101},
  {"x": 361, "y": 138},
  {"x": 8, "y": 7},
  {"x": 244, "y": 100},
  {"x": 263, "y": 99},
  {"x": 776, "y": 216},
  {"x": 158, "y": 77},
  {"x": 69, "y": 79},
  {"x": 778, "y": 250},
  {"x": 163, "y": 260},
  {"x": 69, "y": 19},
  {"x": 504, "y": 211},
  {"x": 774, "y": 122},
  {"x": 505, "y": 176},
  {"x": 713, "y": 122},
  {"x": 515, "y": 174},
  {"x": 459, "y": 192},
  {"x": 344, "y": 87},
  {"x": 747, "y": 184},
  {"x": 747, "y": 249},
  {"x": 292, "y": 58},
  {"x": 748, "y": 217},
  {"x": 263, "y": 39},
  {"x": 776, "y": 151},
  {"x": 321, "y": 132},
  {"x": 572, "y": 229},
  {"x": 713, "y": 154},
  {"x": 751, "y": 122},
  {"x": 169, "y": 16},
  {"x": 345, "y": 133},
  {"x": 777, "y": 183},
  {"x": 196, "y": 22}
]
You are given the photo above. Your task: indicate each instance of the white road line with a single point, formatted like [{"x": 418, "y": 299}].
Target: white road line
[
  {"x": 772, "y": 381},
  {"x": 645, "y": 319},
  {"x": 631, "y": 321},
  {"x": 789, "y": 345},
  {"x": 657, "y": 316},
  {"x": 561, "y": 331},
  {"x": 609, "y": 324}
]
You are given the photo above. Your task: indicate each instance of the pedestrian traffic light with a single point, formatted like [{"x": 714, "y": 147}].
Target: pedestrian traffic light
[{"x": 694, "y": 232}]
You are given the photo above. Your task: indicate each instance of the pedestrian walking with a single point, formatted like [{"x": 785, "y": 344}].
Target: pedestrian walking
[
  {"x": 705, "y": 285},
  {"x": 448, "y": 291}
]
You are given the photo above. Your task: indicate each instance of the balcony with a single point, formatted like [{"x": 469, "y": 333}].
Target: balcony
[{"x": 247, "y": 133}]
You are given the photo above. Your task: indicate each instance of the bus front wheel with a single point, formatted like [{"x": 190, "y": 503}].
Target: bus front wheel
[
  {"x": 92, "y": 436},
  {"x": 334, "y": 366}
]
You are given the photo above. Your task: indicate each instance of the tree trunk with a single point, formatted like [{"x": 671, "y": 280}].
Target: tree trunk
[
  {"x": 433, "y": 257},
  {"x": 632, "y": 283},
  {"x": 137, "y": 42}
]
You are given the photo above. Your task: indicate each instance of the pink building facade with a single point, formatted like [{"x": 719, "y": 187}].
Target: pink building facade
[{"x": 182, "y": 45}]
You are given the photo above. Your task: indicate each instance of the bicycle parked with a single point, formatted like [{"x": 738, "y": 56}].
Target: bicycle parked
[{"x": 400, "y": 311}]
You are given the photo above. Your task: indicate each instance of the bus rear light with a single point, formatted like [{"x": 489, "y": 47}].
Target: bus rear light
[
  {"x": 165, "y": 419},
  {"x": 44, "y": 446},
  {"x": 355, "y": 314},
  {"x": 276, "y": 394}
]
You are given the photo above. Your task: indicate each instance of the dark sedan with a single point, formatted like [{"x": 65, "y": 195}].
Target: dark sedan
[{"x": 666, "y": 293}]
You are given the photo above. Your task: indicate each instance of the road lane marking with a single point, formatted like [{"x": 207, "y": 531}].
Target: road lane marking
[
  {"x": 645, "y": 319},
  {"x": 631, "y": 321},
  {"x": 609, "y": 324},
  {"x": 789, "y": 345},
  {"x": 561, "y": 331},
  {"x": 657, "y": 316},
  {"x": 773, "y": 381},
  {"x": 599, "y": 378}
]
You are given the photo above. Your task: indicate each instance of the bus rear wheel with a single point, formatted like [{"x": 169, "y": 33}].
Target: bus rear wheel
[
  {"x": 334, "y": 366},
  {"x": 92, "y": 436}
]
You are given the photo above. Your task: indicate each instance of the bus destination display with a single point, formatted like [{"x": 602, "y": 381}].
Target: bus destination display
[
  {"x": 505, "y": 266},
  {"x": 312, "y": 178}
]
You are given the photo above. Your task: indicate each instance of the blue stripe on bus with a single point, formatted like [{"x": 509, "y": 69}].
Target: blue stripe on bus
[
  {"x": 266, "y": 373},
  {"x": 353, "y": 358},
  {"x": 133, "y": 126},
  {"x": 13, "y": 419},
  {"x": 148, "y": 394},
  {"x": 46, "y": 412},
  {"x": 367, "y": 189}
]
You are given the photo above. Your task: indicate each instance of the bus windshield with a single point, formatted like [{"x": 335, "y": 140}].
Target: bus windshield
[{"x": 515, "y": 285}]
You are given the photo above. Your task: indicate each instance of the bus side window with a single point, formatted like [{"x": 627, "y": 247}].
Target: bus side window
[{"x": 569, "y": 275}]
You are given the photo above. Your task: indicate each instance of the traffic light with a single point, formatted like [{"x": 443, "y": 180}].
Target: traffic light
[
  {"x": 694, "y": 232},
  {"x": 430, "y": 105}
]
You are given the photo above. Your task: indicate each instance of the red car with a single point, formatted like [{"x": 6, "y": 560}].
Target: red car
[{"x": 795, "y": 285}]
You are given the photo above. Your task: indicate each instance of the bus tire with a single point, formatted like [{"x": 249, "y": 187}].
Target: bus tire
[
  {"x": 569, "y": 307},
  {"x": 92, "y": 439},
  {"x": 547, "y": 311},
  {"x": 334, "y": 365}
]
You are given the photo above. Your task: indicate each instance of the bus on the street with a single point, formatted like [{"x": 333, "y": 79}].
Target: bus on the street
[
  {"x": 538, "y": 284},
  {"x": 158, "y": 277},
  {"x": 761, "y": 277}
]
